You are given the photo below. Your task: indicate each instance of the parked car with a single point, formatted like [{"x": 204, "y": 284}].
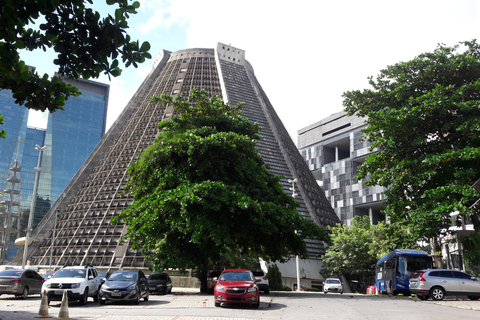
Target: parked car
[
  {"x": 80, "y": 282},
  {"x": 263, "y": 284},
  {"x": 47, "y": 275},
  {"x": 159, "y": 282},
  {"x": 237, "y": 286},
  {"x": 332, "y": 285},
  {"x": 20, "y": 282},
  {"x": 438, "y": 283},
  {"x": 210, "y": 282},
  {"x": 125, "y": 285}
]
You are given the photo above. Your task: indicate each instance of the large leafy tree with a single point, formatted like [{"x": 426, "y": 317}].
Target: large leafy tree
[
  {"x": 355, "y": 249},
  {"x": 203, "y": 193},
  {"x": 423, "y": 120},
  {"x": 87, "y": 45}
]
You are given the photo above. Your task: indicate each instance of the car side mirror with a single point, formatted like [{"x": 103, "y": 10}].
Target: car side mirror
[
  {"x": 90, "y": 277},
  {"x": 215, "y": 279}
]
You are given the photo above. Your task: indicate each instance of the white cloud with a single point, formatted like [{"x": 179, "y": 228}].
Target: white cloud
[{"x": 307, "y": 53}]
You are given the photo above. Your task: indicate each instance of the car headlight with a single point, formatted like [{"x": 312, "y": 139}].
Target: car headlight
[
  {"x": 48, "y": 285},
  {"x": 252, "y": 289},
  {"x": 132, "y": 287},
  {"x": 220, "y": 288},
  {"x": 75, "y": 285}
]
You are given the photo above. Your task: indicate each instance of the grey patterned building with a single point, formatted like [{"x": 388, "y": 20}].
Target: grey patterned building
[
  {"x": 83, "y": 233},
  {"x": 333, "y": 150}
]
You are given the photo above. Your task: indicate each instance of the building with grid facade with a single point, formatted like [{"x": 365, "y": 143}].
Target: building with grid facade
[
  {"x": 333, "y": 149},
  {"x": 83, "y": 212}
]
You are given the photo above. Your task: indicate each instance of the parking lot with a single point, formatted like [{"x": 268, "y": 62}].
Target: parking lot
[{"x": 190, "y": 305}]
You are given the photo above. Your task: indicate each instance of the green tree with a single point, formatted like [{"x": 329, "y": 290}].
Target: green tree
[
  {"x": 423, "y": 121},
  {"x": 203, "y": 193},
  {"x": 87, "y": 45},
  {"x": 355, "y": 249}
]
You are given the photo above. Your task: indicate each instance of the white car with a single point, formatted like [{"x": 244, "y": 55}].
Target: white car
[
  {"x": 262, "y": 281},
  {"x": 79, "y": 282},
  {"x": 332, "y": 285}
]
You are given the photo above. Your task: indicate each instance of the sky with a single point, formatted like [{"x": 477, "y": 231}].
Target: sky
[{"x": 305, "y": 53}]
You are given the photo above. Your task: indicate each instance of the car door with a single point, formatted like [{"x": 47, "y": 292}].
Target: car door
[
  {"x": 446, "y": 279},
  {"x": 37, "y": 282},
  {"x": 466, "y": 283},
  {"x": 93, "y": 281}
]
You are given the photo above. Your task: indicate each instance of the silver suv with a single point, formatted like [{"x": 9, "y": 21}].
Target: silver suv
[
  {"x": 438, "y": 283},
  {"x": 79, "y": 282},
  {"x": 262, "y": 281}
]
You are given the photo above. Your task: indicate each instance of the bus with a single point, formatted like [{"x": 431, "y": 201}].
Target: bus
[{"x": 392, "y": 272}]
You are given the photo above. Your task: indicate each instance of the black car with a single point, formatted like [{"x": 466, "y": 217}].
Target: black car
[
  {"x": 124, "y": 285},
  {"x": 159, "y": 282}
]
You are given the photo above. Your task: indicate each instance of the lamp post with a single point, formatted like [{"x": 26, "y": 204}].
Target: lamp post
[
  {"x": 297, "y": 261},
  {"x": 32, "y": 206}
]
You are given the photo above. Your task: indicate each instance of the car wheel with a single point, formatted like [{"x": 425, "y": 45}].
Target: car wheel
[
  {"x": 84, "y": 298},
  {"x": 170, "y": 290},
  {"x": 437, "y": 293},
  {"x": 422, "y": 297},
  {"x": 473, "y": 297},
  {"x": 24, "y": 293},
  {"x": 256, "y": 305},
  {"x": 146, "y": 296},
  {"x": 164, "y": 290},
  {"x": 217, "y": 304},
  {"x": 102, "y": 302}
]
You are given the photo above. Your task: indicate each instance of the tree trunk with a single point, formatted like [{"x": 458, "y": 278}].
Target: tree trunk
[{"x": 203, "y": 277}]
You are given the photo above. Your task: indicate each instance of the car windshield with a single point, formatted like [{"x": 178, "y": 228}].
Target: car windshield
[
  {"x": 333, "y": 281},
  {"x": 11, "y": 273},
  {"x": 70, "y": 273},
  {"x": 236, "y": 276},
  {"x": 157, "y": 276},
  {"x": 123, "y": 276}
]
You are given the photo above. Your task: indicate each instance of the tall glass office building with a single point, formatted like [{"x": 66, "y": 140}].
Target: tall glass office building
[{"x": 70, "y": 137}]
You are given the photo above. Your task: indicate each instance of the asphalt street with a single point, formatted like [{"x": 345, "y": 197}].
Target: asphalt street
[{"x": 188, "y": 304}]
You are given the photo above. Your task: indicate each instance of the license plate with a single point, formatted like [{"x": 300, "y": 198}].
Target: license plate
[
  {"x": 58, "y": 291},
  {"x": 116, "y": 294}
]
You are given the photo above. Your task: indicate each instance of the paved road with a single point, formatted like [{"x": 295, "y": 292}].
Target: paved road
[{"x": 296, "y": 306}]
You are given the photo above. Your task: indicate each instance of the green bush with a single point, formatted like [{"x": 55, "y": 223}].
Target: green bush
[{"x": 275, "y": 278}]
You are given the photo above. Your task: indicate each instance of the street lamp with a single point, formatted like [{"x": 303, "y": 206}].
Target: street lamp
[
  {"x": 297, "y": 262},
  {"x": 32, "y": 206}
]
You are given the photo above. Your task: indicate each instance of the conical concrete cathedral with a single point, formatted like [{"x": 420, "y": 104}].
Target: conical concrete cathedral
[{"x": 80, "y": 220}]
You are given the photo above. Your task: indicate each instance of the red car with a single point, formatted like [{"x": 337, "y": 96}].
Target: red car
[{"x": 237, "y": 286}]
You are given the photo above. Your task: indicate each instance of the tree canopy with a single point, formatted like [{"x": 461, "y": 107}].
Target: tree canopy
[
  {"x": 87, "y": 45},
  {"x": 354, "y": 249},
  {"x": 423, "y": 120},
  {"x": 203, "y": 194}
]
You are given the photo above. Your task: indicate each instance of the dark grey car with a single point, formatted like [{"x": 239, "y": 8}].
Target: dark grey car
[
  {"x": 20, "y": 282},
  {"x": 159, "y": 282},
  {"x": 438, "y": 283},
  {"x": 124, "y": 285}
]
